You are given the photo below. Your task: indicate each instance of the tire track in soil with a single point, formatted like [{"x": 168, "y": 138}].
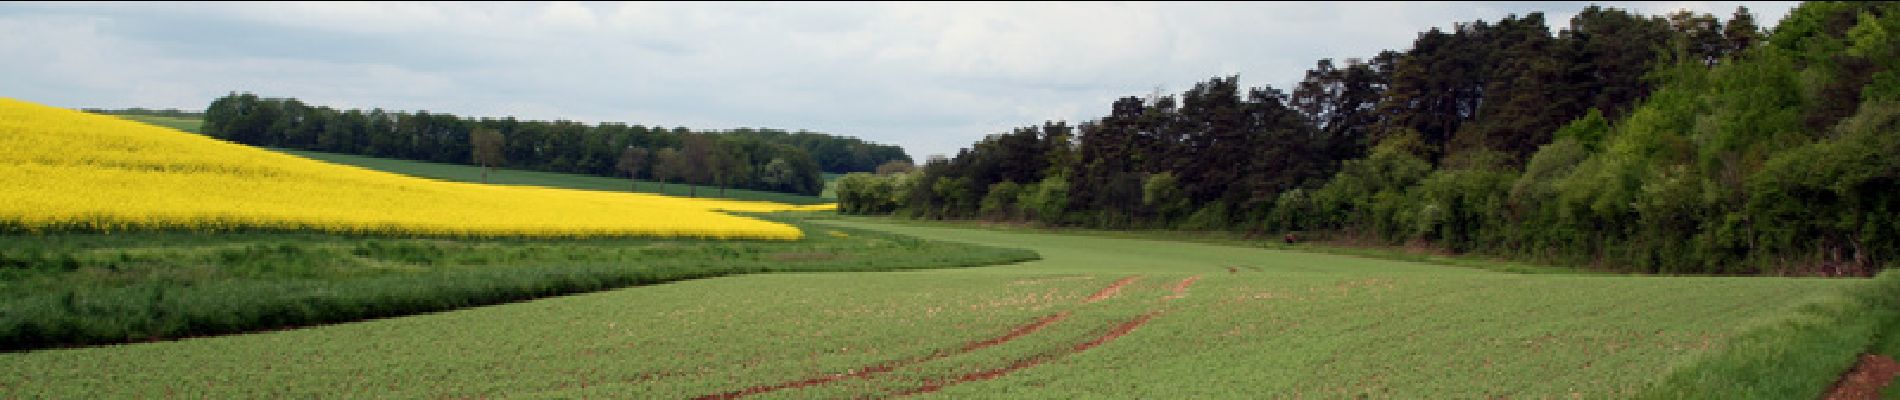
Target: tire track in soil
[
  {"x": 1180, "y": 288},
  {"x": 888, "y": 366},
  {"x": 1111, "y": 290},
  {"x": 1115, "y": 333},
  {"x": 1872, "y": 373},
  {"x": 1020, "y": 331}
]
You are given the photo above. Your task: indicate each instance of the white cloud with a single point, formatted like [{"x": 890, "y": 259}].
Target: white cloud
[{"x": 932, "y": 77}]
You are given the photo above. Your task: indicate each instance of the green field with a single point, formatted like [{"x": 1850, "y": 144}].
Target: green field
[
  {"x": 1193, "y": 321},
  {"x": 831, "y": 186},
  {"x": 180, "y": 123},
  {"x": 64, "y": 289},
  {"x": 466, "y": 173}
]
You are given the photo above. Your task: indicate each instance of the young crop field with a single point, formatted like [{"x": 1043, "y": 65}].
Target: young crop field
[
  {"x": 75, "y": 289},
  {"x": 1095, "y": 317},
  {"x": 72, "y": 171}
]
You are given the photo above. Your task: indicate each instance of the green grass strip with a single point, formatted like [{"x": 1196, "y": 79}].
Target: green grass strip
[{"x": 1800, "y": 354}]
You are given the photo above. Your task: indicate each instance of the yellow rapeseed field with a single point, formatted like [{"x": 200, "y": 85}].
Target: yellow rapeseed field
[{"x": 68, "y": 170}]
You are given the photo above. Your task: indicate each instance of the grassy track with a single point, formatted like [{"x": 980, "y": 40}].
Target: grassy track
[
  {"x": 831, "y": 186},
  {"x": 1096, "y": 318}
]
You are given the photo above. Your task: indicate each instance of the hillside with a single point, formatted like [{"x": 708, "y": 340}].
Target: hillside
[
  {"x": 1677, "y": 144},
  {"x": 132, "y": 176}
]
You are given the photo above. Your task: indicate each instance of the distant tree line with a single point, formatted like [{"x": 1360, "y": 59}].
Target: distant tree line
[
  {"x": 745, "y": 158},
  {"x": 169, "y": 112},
  {"x": 834, "y": 154},
  {"x": 1675, "y": 144}
]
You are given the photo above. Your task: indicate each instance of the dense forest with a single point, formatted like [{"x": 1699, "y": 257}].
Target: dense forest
[
  {"x": 1667, "y": 144},
  {"x": 762, "y": 159}
]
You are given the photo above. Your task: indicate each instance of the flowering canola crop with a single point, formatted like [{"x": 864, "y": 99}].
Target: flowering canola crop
[{"x": 68, "y": 170}]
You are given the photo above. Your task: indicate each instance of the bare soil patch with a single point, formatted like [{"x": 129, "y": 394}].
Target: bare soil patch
[
  {"x": 1180, "y": 288},
  {"x": 1873, "y": 373},
  {"x": 1112, "y": 289},
  {"x": 1117, "y": 332}
]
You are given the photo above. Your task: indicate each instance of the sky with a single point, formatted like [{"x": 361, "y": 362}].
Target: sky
[{"x": 930, "y": 77}]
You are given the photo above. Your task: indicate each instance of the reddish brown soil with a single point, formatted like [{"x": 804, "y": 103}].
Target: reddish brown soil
[
  {"x": 889, "y": 366},
  {"x": 1866, "y": 379},
  {"x": 1180, "y": 288},
  {"x": 1020, "y": 331},
  {"x": 1112, "y": 289},
  {"x": 1117, "y": 332}
]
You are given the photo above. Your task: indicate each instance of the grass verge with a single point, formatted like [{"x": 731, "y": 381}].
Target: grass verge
[{"x": 1798, "y": 354}]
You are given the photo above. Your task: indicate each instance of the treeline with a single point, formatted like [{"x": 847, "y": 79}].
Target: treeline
[
  {"x": 746, "y": 158},
  {"x": 1675, "y": 144},
  {"x": 168, "y": 112},
  {"x": 834, "y": 154}
]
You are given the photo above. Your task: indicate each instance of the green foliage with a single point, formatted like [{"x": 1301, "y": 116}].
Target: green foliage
[
  {"x": 1551, "y": 163},
  {"x": 1587, "y": 131},
  {"x": 1047, "y": 200},
  {"x": 957, "y": 195},
  {"x": 862, "y": 193},
  {"x": 1000, "y": 201},
  {"x": 1294, "y": 210},
  {"x": 1835, "y": 200},
  {"x": 1215, "y": 215},
  {"x": 833, "y": 154},
  {"x": 1162, "y": 196},
  {"x": 1369, "y": 194},
  {"x": 1461, "y": 209}
]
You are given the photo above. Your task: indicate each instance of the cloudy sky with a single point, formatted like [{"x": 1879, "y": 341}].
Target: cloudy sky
[{"x": 931, "y": 77}]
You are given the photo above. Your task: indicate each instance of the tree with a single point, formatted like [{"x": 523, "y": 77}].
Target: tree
[
  {"x": 667, "y": 164},
  {"x": 778, "y": 174},
  {"x": 700, "y": 159},
  {"x": 1001, "y": 201},
  {"x": 1699, "y": 38},
  {"x": 1339, "y": 102},
  {"x": 1741, "y": 32},
  {"x": 730, "y": 162},
  {"x": 485, "y": 146},
  {"x": 895, "y": 167},
  {"x": 632, "y": 160},
  {"x": 1611, "y": 50}
]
